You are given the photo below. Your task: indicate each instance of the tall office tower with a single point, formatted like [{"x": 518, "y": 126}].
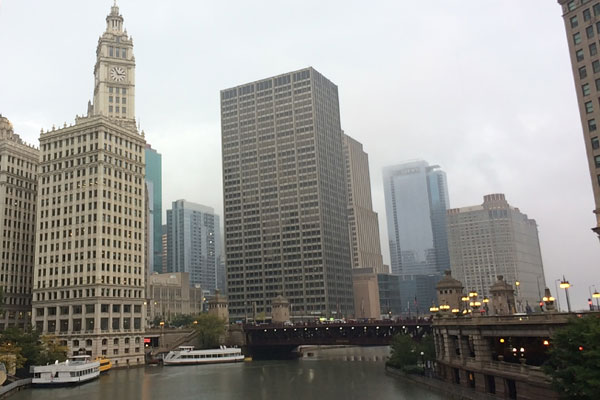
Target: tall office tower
[
  {"x": 363, "y": 222},
  {"x": 193, "y": 242},
  {"x": 286, "y": 227},
  {"x": 580, "y": 23},
  {"x": 18, "y": 191},
  {"x": 164, "y": 248},
  {"x": 416, "y": 200},
  {"x": 496, "y": 239},
  {"x": 154, "y": 184},
  {"x": 90, "y": 252},
  {"x": 221, "y": 275}
]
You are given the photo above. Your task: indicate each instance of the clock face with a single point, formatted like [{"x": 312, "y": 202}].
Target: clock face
[{"x": 117, "y": 74}]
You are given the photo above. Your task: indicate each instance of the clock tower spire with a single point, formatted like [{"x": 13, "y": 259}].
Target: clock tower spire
[{"x": 114, "y": 72}]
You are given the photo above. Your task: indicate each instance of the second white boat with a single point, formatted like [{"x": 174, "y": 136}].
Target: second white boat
[{"x": 186, "y": 355}]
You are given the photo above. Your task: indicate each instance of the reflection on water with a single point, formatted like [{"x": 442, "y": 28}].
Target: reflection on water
[{"x": 323, "y": 375}]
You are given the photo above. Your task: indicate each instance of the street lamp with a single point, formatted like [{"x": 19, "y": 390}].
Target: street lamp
[
  {"x": 557, "y": 293},
  {"x": 564, "y": 284},
  {"x": 596, "y": 296}
]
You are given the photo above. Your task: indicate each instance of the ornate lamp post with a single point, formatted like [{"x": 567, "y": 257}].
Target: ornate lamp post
[
  {"x": 596, "y": 296},
  {"x": 564, "y": 284}
]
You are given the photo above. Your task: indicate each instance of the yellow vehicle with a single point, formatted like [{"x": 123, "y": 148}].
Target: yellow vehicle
[{"x": 105, "y": 364}]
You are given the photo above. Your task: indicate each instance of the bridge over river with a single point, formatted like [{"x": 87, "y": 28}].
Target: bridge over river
[{"x": 274, "y": 341}]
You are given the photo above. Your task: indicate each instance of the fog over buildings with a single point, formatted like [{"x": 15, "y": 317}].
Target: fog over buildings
[{"x": 483, "y": 89}]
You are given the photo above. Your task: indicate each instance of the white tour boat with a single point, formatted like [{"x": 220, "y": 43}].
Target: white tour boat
[
  {"x": 76, "y": 369},
  {"x": 186, "y": 355}
]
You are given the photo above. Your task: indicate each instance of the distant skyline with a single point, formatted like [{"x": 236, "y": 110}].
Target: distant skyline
[{"x": 483, "y": 89}]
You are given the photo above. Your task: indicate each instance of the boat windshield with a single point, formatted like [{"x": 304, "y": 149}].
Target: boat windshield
[{"x": 79, "y": 359}]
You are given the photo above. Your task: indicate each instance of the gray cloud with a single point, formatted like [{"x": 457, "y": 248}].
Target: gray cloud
[{"x": 483, "y": 89}]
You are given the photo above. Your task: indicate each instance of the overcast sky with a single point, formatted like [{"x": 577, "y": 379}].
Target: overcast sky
[{"x": 482, "y": 88}]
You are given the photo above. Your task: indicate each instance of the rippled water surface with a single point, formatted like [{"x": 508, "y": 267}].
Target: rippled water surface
[{"x": 335, "y": 374}]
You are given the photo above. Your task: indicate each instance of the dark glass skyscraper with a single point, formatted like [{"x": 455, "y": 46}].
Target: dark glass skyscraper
[
  {"x": 416, "y": 200},
  {"x": 154, "y": 183}
]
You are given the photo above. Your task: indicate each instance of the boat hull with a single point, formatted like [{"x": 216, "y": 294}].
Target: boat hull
[
  {"x": 200, "y": 362},
  {"x": 63, "y": 382}
]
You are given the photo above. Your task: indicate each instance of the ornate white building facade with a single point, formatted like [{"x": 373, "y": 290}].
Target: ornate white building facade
[{"x": 89, "y": 279}]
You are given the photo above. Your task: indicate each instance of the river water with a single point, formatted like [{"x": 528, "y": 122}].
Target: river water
[{"x": 332, "y": 374}]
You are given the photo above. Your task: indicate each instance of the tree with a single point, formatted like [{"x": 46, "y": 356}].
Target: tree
[
  {"x": 182, "y": 320},
  {"x": 210, "y": 330},
  {"x": 404, "y": 352},
  {"x": 574, "y": 358},
  {"x": 11, "y": 356},
  {"x": 52, "y": 350}
]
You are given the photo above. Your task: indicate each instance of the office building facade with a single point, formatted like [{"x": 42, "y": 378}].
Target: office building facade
[
  {"x": 286, "y": 227},
  {"x": 581, "y": 24},
  {"x": 193, "y": 244},
  {"x": 416, "y": 200},
  {"x": 494, "y": 239},
  {"x": 154, "y": 184},
  {"x": 363, "y": 222},
  {"x": 89, "y": 280},
  {"x": 18, "y": 193}
]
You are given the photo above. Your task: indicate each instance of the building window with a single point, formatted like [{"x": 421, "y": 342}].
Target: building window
[
  {"x": 579, "y": 55},
  {"x": 574, "y": 21},
  {"x": 595, "y": 143},
  {"x": 582, "y": 72},
  {"x": 592, "y": 125},
  {"x": 123, "y": 53},
  {"x": 589, "y": 107},
  {"x": 577, "y": 38},
  {"x": 117, "y": 109},
  {"x": 110, "y": 99},
  {"x": 571, "y": 5},
  {"x": 589, "y": 32},
  {"x": 110, "y": 89},
  {"x": 123, "y": 100},
  {"x": 585, "y": 88},
  {"x": 587, "y": 15},
  {"x": 123, "y": 110},
  {"x": 596, "y": 66},
  {"x": 596, "y": 9},
  {"x": 124, "y": 91},
  {"x": 110, "y": 50},
  {"x": 110, "y": 108}
]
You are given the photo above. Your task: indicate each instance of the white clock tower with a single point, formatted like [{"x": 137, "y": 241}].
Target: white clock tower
[{"x": 114, "y": 72}]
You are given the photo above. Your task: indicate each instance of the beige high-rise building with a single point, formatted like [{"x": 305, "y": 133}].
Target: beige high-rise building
[
  {"x": 363, "y": 222},
  {"x": 18, "y": 192},
  {"x": 581, "y": 18},
  {"x": 494, "y": 239},
  {"x": 286, "y": 226},
  {"x": 89, "y": 279}
]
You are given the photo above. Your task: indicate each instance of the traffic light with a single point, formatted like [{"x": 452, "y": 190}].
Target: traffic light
[
  {"x": 542, "y": 306},
  {"x": 591, "y": 304}
]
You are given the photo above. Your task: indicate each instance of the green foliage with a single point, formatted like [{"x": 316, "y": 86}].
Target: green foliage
[
  {"x": 210, "y": 330},
  {"x": 427, "y": 347},
  {"x": 33, "y": 350},
  {"x": 574, "y": 358},
  {"x": 182, "y": 320},
  {"x": 10, "y": 356},
  {"x": 404, "y": 351}
]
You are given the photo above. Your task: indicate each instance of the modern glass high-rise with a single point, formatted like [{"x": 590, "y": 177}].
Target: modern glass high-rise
[
  {"x": 193, "y": 243},
  {"x": 154, "y": 183},
  {"x": 284, "y": 189},
  {"x": 416, "y": 200}
]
